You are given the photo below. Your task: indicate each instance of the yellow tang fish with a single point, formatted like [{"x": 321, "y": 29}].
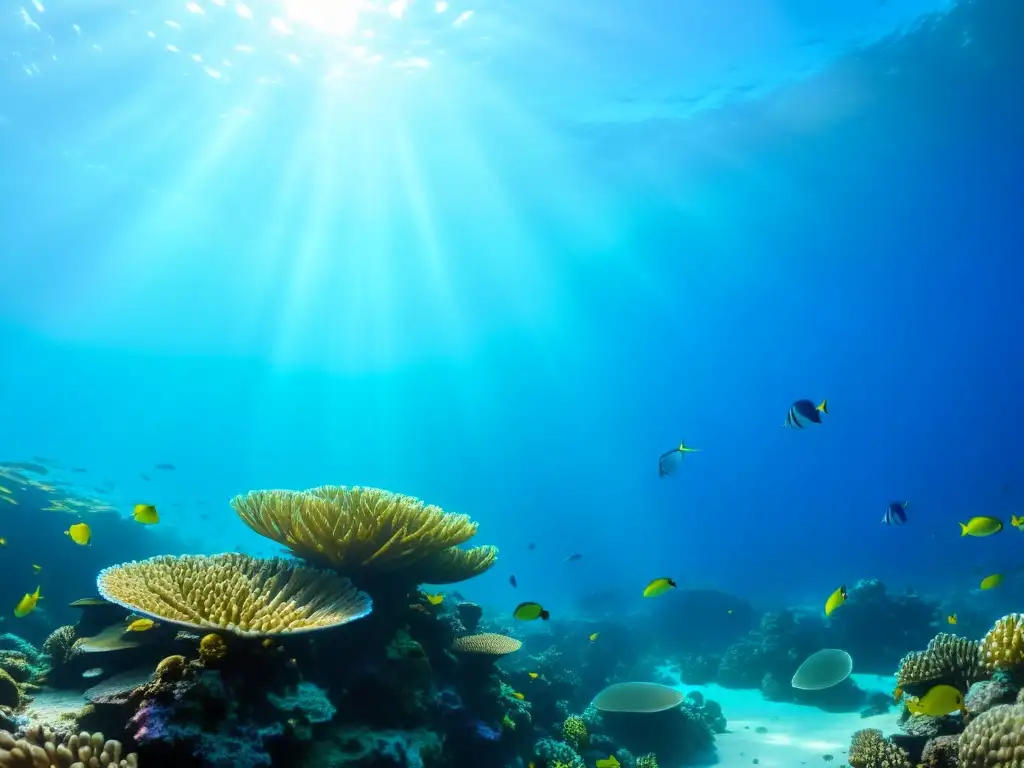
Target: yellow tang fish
[
  {"x": 519, "y": 695},
  {"x": 659, "y": 587},
  {"x": 991, "y": 582},
  {"x": 434, "y": 599},
  {"x": 530, "y": 612},
  {"x": 594, "y": 636},
  {"x": 533, "y": 675},
  {"x": 608, "y": 762},
  {"x": 27, "y": 604},
  {"x": 145, "y": 514},
  {"x": 940, "y": 700},
  {"x": 951, "y": 619},
  {"x": 80, "y": 533},
  {"x": 981, "y": 526},
  {"x": 835, "y": 600},
  {"x": 1017, "y": 522},
  {"x": 140, "y": 625}
]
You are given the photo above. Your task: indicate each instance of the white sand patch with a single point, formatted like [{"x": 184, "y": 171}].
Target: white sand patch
[{"x": 796, "y": 735}]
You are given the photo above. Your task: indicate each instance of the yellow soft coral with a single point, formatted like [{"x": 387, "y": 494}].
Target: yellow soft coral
[
  {"x": 212, "y": 649},
  {"x": 366, "y": 532},
  {"x": 574, "y": 731},
  {"x": 1003, "y": 646}
]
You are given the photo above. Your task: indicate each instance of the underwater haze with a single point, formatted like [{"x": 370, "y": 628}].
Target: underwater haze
[{"x": 502, "y": 256}]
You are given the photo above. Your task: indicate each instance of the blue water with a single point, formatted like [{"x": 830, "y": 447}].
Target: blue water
[{"x": 501, "y": 256}]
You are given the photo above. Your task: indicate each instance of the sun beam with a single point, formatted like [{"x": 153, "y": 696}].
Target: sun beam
[{"x": 332, "y": 17}]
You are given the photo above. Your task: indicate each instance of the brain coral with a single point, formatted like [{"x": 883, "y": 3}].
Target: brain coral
[
  {"x": 235, "y": 593},
  {"x": 948, "y": 659},
  {"x": 367, "y": 531},
  {"x": 1003, "y": 646},
  {"x": 994, "y": 739}
]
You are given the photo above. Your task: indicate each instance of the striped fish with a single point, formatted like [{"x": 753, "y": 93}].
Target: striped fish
[
  {"x": 896, "y": 513},
  {"x": 805, "y": 412}
]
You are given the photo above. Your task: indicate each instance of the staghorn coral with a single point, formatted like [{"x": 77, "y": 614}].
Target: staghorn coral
[
  {"x": 40, "y": 749},
  {"x": 994, "y": 739},
  {"x": 60, "y": 645},
  {"x": 487, "y": 644},
  {"x": 1003, "y": 645},
  {"x": 368, "y": 531},
  {"x": 870, "y": 749},
  {"x": 647, "y": 761},
  {"x": 237, "y": 593},
  {"x": 574, "y": 731},
  {"x": 948, "y": 659}
]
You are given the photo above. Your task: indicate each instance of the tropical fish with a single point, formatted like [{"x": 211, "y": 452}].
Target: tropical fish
[
  {"x": 94, "y": 672},
  {"x": 530, "y": 612},
  {"x": 897, "y": 694},
  {"x": 594, "y": 636},
  {"x": 607, "y": 762},
  {"x": 895, "y": 513},
  {"x": 835, "y": 600},
  {"x": 140, "y": 625},
  {"x": 166, "y": 467},
  {"x": 80, "y": 533},
  {"x": 1017, "y": 522},
  {"x": 27, "y": 604},
  {"x": 981, "y": 526},
  {"x": 144, "y": 477},
  {"x": 434, "y": 599},
  {"x": 670, "y": 461},
  {"x": 951, "y": 619},
  {"x": 805, "y": 412},
  {"x": 9, "y": 500},
  {"x": 519, "y": 695},
  {"x": 573, "y": 557},
  {"x": 991, "y": 582},
  {"x": 659, "y": 587},
  {"x": 5, "y": 490},
  {"x": 146, "y": 514},
  {"x": 3, "y": 542},
  {"x": 512, "y": 581},
  {"x": 940, "y": 700},
  {"x": 533, "y": 675}
]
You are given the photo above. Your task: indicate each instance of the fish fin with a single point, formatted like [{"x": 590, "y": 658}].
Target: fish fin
[
  {"x": 906, "y": 504},
  {"x": 963, "y": 529},
  {"x": 823, "y": 407}
]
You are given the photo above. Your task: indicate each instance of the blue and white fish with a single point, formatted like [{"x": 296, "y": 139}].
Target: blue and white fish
[
  {"x": 896, "y": 513},
  {"x": 805, "y": 412},
  {"x": 669, "y": 461}
]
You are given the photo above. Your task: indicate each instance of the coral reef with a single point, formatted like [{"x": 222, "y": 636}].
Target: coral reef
[
  {"x": 870, "y": 749},
  {"x": 40, "y": 748},
  {"x": 365, "y": 532},
  {"x": 1003, "y": 645},
  {"x": 234, "y": 592},
  {"x": 994, "y": 739},
  {"x": 941, "y": 752},
  {"x": 947, "y": 659}
]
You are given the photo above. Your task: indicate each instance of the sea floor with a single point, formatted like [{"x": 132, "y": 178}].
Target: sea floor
[{"x": 793, "y": 734}]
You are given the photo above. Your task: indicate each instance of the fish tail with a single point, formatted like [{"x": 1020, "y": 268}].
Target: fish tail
[
  {"x": 823, "y": 407},
  {"x": 963, "y": 529},
  {"x": 544, "y": 615}
]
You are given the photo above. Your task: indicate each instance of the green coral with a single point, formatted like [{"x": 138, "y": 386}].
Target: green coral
[
  {"x": 574, "y": 731},
  {"x": 647, "y": 761}
]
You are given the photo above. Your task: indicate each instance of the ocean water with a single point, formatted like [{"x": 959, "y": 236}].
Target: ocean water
[{"x": 501, "y": 256}]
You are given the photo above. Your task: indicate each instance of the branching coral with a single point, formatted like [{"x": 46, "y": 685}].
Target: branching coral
[
  {"x": 234, "y": 592},
  {"x": 1003, "y": 646},
  {"x": 994, "y": 739},
  {"x": 574, "y": 731},
  {"x": 367, "y": 531},
  {"x": 647, "y": 761},
  {"x": 40, "y": 749},
  {"x": 60, "y": 645},
  {"x": 870, "y": 749},
  {"x": 948, "y": 658}
]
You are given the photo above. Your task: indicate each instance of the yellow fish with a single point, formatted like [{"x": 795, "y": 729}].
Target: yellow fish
[
  {"x": 434, "y": 599},
  {"x": 533, "y": 675},
  {"x": 659, "y": 587},
  {"x": 835, "y": 600},
  {"x": 940, "y": 700},
  {"x": 145, "y": 514},
  {"x": 27, "y": 604},
  {"x": 530, "y": 612},
  {"x": 951, "y": 619},
  {"x": 80, "y": 533},
  {"x": 519, "y": 695},
  {"x": 981, "y": 526},
  {"x": 1017, "y": 522},
  {"x": 3, "y": 542},
  {"x": 9, "y": 500},
  {"x": 991, "y": 582},
  {"x": 140, "y": 625},
  {"x": 594, "y": 636},
  {"x": 5, "y": 490},
  {"x": 36, "y": 568},
  {"x": 897, "y": 694},
  {"x": 608, "y": 762}
]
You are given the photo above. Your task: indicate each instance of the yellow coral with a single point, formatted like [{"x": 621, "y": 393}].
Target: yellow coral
[
  {"x": 236, "y": 593},
  {"x": 171, "y": 669},
  {"x": 367, "y": 531},
  {"x": 870, "y": 749},
  {"x": 994, "y": 739},
  {"x": 212, "y": 648},
  {"x": 574, "y": 732},
  {"x": 41, "y": 748},
  {"x": 1003, "y": 646},
  {"x": 487, "y": 644},
  {"x": 949, "y": 659}
]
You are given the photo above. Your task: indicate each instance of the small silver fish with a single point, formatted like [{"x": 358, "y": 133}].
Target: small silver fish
[{"x": 94, "y": 672}]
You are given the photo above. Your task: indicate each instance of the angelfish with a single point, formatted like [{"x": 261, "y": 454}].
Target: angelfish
[{"x": 805, "y": 412}]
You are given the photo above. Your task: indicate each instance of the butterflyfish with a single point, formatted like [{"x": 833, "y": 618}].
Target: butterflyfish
[
  {"x": 670, "y": 461},
  {"x": 434, "y": 599},
  {"x": 951, "y": 619},
  {"x": 991, "y": 582},
  {"x": 835, "y": 600},
  {"x": 607, "y": 762},
  {"x": 140, "y": 625},
  {"x": 530, "y": 612},
  {"x": 659, "y": 587},
  {"x": 594, "y": 636},
  {"x": 27, "y": 604},
  {"x": 145, "y": 514},
  {"x": 533, "y": 675},
  {"x": 938, "y": 701},
  {"x": 981, "y": 526},
  {"x": 80, "y": 533}
]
